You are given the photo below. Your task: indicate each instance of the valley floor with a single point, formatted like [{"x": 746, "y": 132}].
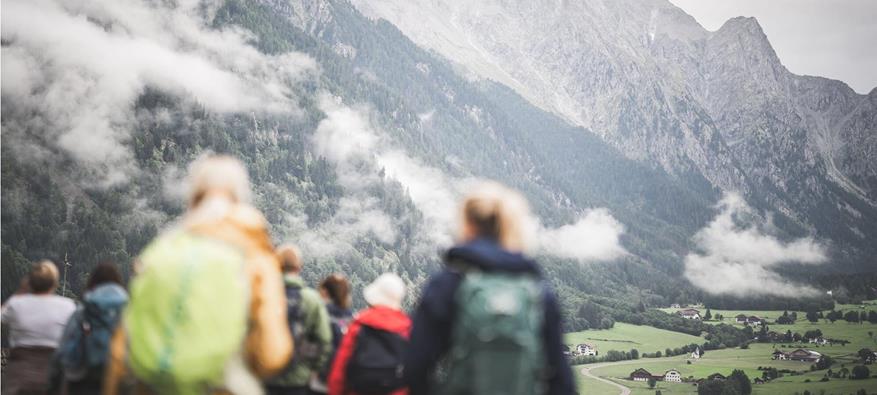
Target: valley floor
[{"x": 612, "y": 377}]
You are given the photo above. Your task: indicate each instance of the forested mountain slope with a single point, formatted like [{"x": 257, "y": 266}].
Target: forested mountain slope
[{"x": 359, "y": 158}]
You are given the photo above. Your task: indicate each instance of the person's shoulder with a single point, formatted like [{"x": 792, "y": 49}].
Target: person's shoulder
[
  {"x": 64, "y": 302},
  {"x": 311, "y": 296},
  {"x": 248, "y": 217},
  {"x": 444, "y": 278},
  {"x": 14, "y": 301}
]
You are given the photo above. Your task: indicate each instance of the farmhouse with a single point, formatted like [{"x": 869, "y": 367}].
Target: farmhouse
[
  {"x": 673, "y": 376},
  {"x": 586, "y": 349},
  {"x": 691, "y": 314},
  {"x": 804, "y": 355},
  {"x": 748, "y": 320},
  {"x": 818, "y": 341},
  {"x": 675, "y": 306},
  {"x": 640, "y": 375}
]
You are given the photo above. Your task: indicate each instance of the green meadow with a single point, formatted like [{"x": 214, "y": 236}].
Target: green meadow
[
  {"x": 624, "y": 337},
  {"x": 648, "y": 339}
]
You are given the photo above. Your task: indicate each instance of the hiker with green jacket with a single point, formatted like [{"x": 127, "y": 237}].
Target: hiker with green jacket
[{"x": 309, "y": 325}]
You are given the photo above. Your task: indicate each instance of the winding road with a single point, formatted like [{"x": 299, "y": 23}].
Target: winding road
[{"x": 586, "y": 371}]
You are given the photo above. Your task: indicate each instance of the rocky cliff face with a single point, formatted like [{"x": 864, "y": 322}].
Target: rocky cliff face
[{"x": 649, "y": 80}]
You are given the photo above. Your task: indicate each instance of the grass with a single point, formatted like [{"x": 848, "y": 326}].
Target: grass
[
  {"x": 716, "y": 361},
  {"x": 839, "y": 386},
  {"x": 589, "y": 386},
  {"x": 624, "y": 337},
  {"x": 648, "y": 339},
  {"x": 642, "y": 387}
]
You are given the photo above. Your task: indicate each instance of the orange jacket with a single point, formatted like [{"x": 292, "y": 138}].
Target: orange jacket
[{"x": 268, "y": 345}]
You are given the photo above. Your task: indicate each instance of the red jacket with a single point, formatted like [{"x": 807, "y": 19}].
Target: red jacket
[{"x": 378, "y": 317}]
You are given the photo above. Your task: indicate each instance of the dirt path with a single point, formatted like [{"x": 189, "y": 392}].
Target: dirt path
[{"x": 586, "y": 371}]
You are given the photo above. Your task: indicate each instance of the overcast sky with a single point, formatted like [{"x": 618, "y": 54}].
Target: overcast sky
[{"x": 830, "y": 38}]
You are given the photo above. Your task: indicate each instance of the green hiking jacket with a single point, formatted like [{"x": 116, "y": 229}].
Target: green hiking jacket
[{"x": 317, "y": 329}]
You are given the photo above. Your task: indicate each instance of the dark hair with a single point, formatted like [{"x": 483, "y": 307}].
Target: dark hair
[
  {"x": 104, "y": 272},
  {"x": 43, "y": 277},
  {"x": 338, "y": 289}
]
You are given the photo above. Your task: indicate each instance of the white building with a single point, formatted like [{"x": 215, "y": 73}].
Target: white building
[
  {"x": 586, "y": 349},
  {"x": 673, "y": 376},
  {"x": 691, "y": 314}
]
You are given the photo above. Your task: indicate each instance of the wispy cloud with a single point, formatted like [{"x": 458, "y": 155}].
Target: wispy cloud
[
  {"x": 359, "y": 151},
  {"x": 737, "y": 255},
  {"x": 72, "y": 71}
]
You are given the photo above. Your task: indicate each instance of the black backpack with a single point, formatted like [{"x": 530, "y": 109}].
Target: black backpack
[
  {"x": 376, "y": 364},
  {"x": 305, "y": 348}
]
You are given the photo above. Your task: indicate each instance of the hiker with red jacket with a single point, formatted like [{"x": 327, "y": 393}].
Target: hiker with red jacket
[{"x": 369, "y": 359}]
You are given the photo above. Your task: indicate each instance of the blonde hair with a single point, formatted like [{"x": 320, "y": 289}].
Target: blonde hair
[
  {"x": 497, "y": 212},
  {"x": 218, "y": 173},
  {"x": 43, "y": 277},
  {"x": 290, "y": 258}
]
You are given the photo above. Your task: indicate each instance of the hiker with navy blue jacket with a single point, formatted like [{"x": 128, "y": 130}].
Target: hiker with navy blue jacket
[{"x": 488, "y": 322}]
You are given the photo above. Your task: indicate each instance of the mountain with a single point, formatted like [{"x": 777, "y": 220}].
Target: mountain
[
  {"x": 650, "y": 81},
  {"x": 360, "y": 134}
]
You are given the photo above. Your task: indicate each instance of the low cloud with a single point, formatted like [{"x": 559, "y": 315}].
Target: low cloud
[
  {"x": 737, "y": 256},
  {"x": 364, "y": 157},
  {"x": 73, "y": 70},
  {"x": 594, "y": 237}
]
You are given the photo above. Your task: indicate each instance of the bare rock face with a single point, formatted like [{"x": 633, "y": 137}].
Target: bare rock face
[{"x": 649, "y": 80}]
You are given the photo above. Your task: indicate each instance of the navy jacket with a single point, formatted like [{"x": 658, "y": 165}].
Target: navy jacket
[{"x": 433, "y": 320}]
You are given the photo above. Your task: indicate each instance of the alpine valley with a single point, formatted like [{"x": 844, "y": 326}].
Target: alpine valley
[{"x": 658, "y": 157}]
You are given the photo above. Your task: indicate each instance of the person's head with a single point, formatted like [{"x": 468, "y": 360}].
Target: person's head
[
  {"x": 43, "y": 277},
  {"x": 336, "y": 289},
  {"x": 387, "y": 290},
  {"x": 103, "y": 273},
  {"x": 495, "y": 212},
  {"x": 217, "y": 176},
  {"x": 290, "y": 259}
]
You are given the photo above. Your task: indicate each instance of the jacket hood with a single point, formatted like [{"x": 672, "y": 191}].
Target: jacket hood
[
  {"x": 488, "y": 256},
  {"x": 106, "y": 295},
  {"x": 385, "y": 318}
]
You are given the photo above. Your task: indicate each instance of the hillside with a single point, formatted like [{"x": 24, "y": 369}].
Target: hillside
[{"x": 359, "y": 139}]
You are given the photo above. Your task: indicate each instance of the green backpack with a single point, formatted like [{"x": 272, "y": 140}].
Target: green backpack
[
  {"x": 497, "y": 336},
  {"x": 188, "y": 313}
]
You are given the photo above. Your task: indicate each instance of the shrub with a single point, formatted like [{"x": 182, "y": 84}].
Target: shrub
[{"x": 860, "y": 372}]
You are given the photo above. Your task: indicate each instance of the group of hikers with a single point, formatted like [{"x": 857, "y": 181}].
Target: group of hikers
[{"x": 213, "y": 307}]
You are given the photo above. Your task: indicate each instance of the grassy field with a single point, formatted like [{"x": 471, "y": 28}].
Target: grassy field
[
  {"x": 624, "y": 337},
  {"x": 725, "y": 361},
  {"x": 647, "y": 339},
  {"x": 642, "y": 388},
  {"x": 589, "y": 386},
  {"x": 772, "y": 315}
]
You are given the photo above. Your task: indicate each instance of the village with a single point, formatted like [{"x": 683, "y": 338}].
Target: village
[{"x": 799, "y": 352}]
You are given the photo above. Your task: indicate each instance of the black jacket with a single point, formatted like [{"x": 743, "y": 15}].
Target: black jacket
[{"x": 433, "y": 319}]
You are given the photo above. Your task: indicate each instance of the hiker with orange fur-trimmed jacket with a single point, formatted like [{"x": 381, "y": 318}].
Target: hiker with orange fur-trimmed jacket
[{"x": 211, "y": 286}]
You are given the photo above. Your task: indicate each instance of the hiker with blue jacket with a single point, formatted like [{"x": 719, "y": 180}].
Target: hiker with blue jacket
[
  {"x": 488, "y": 323},
  {"x": 79, "y": 362}
]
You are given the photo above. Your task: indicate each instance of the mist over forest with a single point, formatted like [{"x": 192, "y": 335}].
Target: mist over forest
[{"x": 739, "y": 185}]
